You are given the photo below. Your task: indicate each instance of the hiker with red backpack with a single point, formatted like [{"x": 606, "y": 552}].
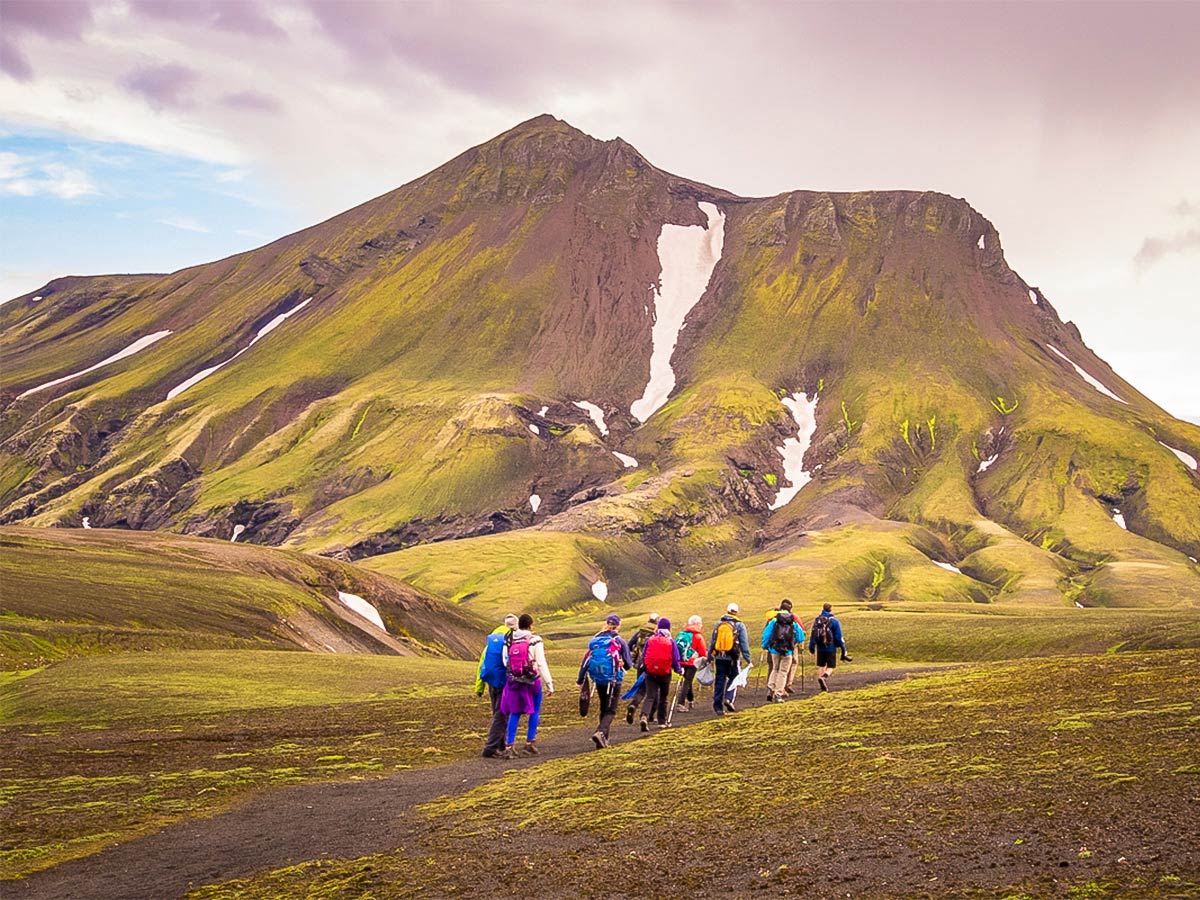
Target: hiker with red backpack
[
  {"x": 605, "y": 663},
  {"x": 729, "y": 644},
  {"x": 637, "y": 646},
  {"x": 781, "y": 636},
  {"x": 825, "y": 641},
  {"x": 690, "y": 642},
  {"x": 525, "y": 660},
  {"x": 659, "y": 659}
]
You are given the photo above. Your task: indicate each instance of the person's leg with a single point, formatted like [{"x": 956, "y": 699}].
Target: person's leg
[
  {"x": 793, "y": 665},
  {"x": 719, "y": 682},
  {"x": 774, "y": 672},
  {"x": 664, "y": 698},
  {"x": 495, "y": 737},
  {"x": 534, "y": 717},
  {"x": 685, "y": 688},
  {"x": 609, "y": 696},
  {"x": 514, "y": 719}
]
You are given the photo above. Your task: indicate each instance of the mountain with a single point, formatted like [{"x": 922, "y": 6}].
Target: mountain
[{"x": 550, "y": 358}]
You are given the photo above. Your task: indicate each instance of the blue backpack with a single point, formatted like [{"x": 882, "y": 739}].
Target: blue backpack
[
  {"x": 604, "y": 659},
  {"x": 492, "y": 671}
]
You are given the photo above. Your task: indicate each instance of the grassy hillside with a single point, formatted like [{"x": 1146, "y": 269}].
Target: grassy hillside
[
  {"x": 75, "y": 592},
  {"x": 992, "y": 781}
]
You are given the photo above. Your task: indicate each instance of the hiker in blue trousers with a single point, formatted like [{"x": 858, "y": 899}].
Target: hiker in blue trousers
[{"x": 728, "y": 644}]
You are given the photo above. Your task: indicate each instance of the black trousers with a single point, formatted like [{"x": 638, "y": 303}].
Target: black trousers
[
  {"x": 685, "y": 689},
  {"x": 496, "y": 734},
  {"x": 609, "y": 698},
  {"x": 658, "y": 695}
]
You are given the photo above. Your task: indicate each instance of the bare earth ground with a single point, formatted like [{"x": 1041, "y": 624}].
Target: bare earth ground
[{"x": 284, "y": 826}]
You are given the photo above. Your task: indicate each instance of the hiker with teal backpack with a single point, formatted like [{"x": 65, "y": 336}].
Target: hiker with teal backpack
[
  {"x": 605, "y": 663},
  {"x": 491, "y": 675},
  {"x": 825, "y": 641},
  {"x": 691, "y": 650},
  {"x": 525, "y": 660},
  {"x": 659, "y": 659},
  {"x": 781, "y": 637}
]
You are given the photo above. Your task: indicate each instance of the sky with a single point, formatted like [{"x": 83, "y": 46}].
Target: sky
[{"x": 147, "y": 135}]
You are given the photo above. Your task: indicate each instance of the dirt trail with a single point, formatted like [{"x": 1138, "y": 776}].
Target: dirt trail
[{"x": 319, "y": 821}]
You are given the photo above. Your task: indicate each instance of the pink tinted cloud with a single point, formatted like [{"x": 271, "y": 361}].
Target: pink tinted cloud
[
  {"x": 55, "y": 19},
  {"x": 235, "y": 16},
  {"x": 162, "y": 86},
  {"x": 252, "y": 101}
]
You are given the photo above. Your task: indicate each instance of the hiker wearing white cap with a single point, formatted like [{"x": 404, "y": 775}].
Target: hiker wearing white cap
[{"x": 729, "y": 644}]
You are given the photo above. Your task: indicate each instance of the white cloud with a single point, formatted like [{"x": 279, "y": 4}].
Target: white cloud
[
  {"x": 184, "y": 223},
  {"x": 25, "y": 176}
]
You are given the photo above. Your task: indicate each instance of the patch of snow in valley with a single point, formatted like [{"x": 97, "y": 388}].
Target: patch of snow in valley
[
  {"x": 1186, "y": 458},
  {"x": 947, "y": 567},
  {"x": 534, "y": 502},
  {"x": 804, "y": 411},
  {"x": 87, "y": 522},
  {"x": 986, "y": 464},
  {"x": 140, "y": 344},
  {"x": 688, "y": 254},
  {"x": 596, "y": 414},
  {"x": 1088, "y": 378},
  {"x": 237, "y": 532},
  {"x": 535, "y": 429},
  {"x": 627, "y": 461},
  {"x": 1118, "y": 518},
  {"x": 262, "y": 332},
  {"x": 600, "y": 591},
  {"x": 542, "y": 412},
  {"x": 1033, "y": 296},
  {"x": 362, "y": 607},
  {"x": 1080, "y": 605}
]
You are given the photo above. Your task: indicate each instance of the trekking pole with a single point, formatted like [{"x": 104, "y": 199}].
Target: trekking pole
[
  {"x": 801, "y": 654},
  {"x": 758, "y": 677},
  {"x": 674, "y": 701}
]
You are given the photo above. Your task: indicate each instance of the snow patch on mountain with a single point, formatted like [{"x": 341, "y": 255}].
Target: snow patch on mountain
[
  {"x": 237, "y": 532},
  {"x": 804, "y": 411},
  {"x": 1118, "y": 518},
  {"x": 534, "y": 502},
  {"x": 262, "y": 333},
  {"x": 535, "y": 429},
  {"x": 688, "y": 254},
  {"x": 137, "y": 346},
  {"x": 600, "y": 591},
  {"x": 362, "y": 607},
  {"x": 596, "y": 414},
  {"x": 1088, "y": 378},
  {"x": 542, "y": 412},
  {"x": 980, "y": 244},
  {"x": 1186, "y": 458},
  {"x": 947, "y": 567},
  {"x": 1033, "y": 296},
  {"x": 986, "y": 464},
  {"x": 36, "y": 299},
  {"x": 87, "y": 522},
  {"x": 627, "y": 461}
]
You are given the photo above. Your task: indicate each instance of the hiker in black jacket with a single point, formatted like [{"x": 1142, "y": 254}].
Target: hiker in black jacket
[{"x": 825, "y": 640}]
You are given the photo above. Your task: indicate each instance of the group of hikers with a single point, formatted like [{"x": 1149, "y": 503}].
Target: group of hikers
[{"x": 514, "y": 673}]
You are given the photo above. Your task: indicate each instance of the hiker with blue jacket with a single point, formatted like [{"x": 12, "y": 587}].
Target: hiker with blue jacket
[
  {"x": 491, "y": 676},
  {"x": 605, "y": 663},
  {"x": 525, "y": 660},
  {"x": 825, "y": 641},
  {"x": 781, "y": 636},
  {"x": 728, "y": 644}
]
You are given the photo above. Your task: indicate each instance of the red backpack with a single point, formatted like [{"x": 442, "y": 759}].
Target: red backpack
[{"x": 659, "y": 657}]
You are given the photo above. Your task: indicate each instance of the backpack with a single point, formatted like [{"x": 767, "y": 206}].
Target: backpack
[
  {"x": 604, "y": 658},
  {"x": 823, "y": 631},
  {"x": 658, "y": 658},
  {"x": 783, "y": 634},
  {"x": 726, "y": 637},
  {"x": 492, "y": 671},
  {"x": 684, "y": 642},
  {"x": 520, "y": 661},
  {"x": 637, "y": 646}
]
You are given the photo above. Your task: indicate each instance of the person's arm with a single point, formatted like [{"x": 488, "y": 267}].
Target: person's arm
[
  {"x": 626, "y": 656},
  {"x": 744, "y": 642},
  {"x": 799, "y": 633},
  {"x": 698, "y": 644},
  {"x": 812, "y": 642},
  {"x": 676, "y": 659},
  {"x": 837, "y": 636},
  {"x": 539, "y": 658},
  {"x": 766, "y": 634},
  {"x": 583, "y": 667},
  {"x": 712, "y": 641},
  {"x": 479, "y": 685}
]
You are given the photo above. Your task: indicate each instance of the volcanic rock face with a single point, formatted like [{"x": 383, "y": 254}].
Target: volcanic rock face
[{"x": 423, "y": 366}]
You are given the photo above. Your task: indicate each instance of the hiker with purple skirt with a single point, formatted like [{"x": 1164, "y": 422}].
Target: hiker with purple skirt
[{"x": 525, "y": 660}]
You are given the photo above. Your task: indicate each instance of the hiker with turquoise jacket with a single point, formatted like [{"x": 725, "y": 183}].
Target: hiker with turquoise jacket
[
  {"x": 525, "y": 661},
  {"x": 781, "y": 637}
]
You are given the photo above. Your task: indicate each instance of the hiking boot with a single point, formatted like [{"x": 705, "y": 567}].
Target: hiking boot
[
  {"x": 598, "y": 740},
  {"x": 788, "y": 690},
  {"x": 530, "y": 749},
  {"x": 729, "y": 706},
  {"x": 510, "y": 752},
  {"x": 719, "y": 712},
  {"x": 644, "y": 724},
  {"x": 492, "y": 754},
  {"x": 629, "y": 715},
  {"x": 665, "y": 725},
  {"x": 604, "y": 738},
  {"x": 846, "y": 658},
  {"x": 823, "y": 683}
]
